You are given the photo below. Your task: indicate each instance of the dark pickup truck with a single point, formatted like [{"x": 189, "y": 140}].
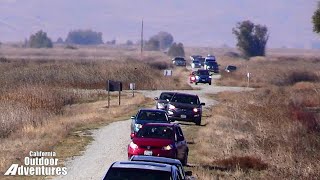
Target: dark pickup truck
[{"x": 185, "y": 107}]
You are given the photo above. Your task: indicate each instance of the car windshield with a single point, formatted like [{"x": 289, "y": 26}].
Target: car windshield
[
  {"x": 134, "y": 174},
  {"x": 196, "y": 62},
  {"x": 179, "y": 59},
  {"x": 152, "y": 116},
  {"x": 165, "y": 96},
  {"x": 187, "y": 99},
  {"x": 232, "y": 67},
  {"x": 162, "y": 132},
  {"x": 203, "y": 73}
]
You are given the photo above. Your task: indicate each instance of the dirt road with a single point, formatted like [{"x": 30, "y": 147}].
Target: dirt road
[{"x": 110, "y": 142}]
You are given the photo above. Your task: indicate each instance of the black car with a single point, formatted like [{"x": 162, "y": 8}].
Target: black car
[
  {"x": 183, "y": 175},
  {"x": 133, "y": 170},
  {"x": 163, "y": 99},
  {"x": 212, "y": 66},
  {"x": 179, "y": 61},
  {"x": 148, "y": 116},
  {"x": 230, "y": 68},
  {"x": 186, "y": 107},
  {"x": 203, "y": 76}
]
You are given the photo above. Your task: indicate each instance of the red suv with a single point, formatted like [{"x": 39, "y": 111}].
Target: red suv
[{"x": 160, "y": 139}]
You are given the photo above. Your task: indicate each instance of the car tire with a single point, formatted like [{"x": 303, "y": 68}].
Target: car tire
[
  {"x": 197, "y": 121},
  {"x": 196, "y": 83},
  {"x": 209, "y": 83},
  {"x": 185, "y": 159}
]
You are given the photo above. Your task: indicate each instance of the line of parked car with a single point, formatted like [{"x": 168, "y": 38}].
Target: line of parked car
[{"x": 158, "y": 149}]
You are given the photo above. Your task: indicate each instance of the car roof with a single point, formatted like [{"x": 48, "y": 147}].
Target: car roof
[
  {"x": 151, "y": 110},
  {"x": 156, "y": 159},
  {"x": 168, "y": 92},
  {"x": 161, "y": 124},
  {"x": 142, "y": 165}
]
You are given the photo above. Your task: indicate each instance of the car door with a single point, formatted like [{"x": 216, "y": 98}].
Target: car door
[{"x": 180, "y": 142}]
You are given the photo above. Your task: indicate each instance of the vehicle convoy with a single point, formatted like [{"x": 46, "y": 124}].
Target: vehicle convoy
[
  {"x": 163, "y": 99},
  {"x": 179, "y": 61},
  {"x": 183, "y": 175},
  {"x": 160, "y": 139},
  {"x": 185, "y": 107},
  {"x": 203, "y": 76},
  {"x": 211, "y": 66},
  {"x": 148, "y": 116},
  {"x": 134, "y": 170}
]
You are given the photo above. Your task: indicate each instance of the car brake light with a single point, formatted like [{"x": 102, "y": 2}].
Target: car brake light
[{"x": 193, "y": 78}]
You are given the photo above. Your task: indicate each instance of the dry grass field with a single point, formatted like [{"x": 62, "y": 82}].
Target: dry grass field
[
  {"x": 35, "y": 93},
  {"x": 269, "y": 133}
]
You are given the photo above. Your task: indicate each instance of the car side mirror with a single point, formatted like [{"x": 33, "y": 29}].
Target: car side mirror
[
  {"x": 188, "y": 173},
  {"x": 202, "y": 104},
  {"x": 132, "y": 135},
  {"x": 156, "y": 98},
  {"x": 132, "y": 117}
]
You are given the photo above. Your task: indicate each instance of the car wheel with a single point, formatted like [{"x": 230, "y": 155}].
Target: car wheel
[
  {"x": 198, "y": 121},
  {"x": 196, "y": 83},
  {"x": 185, "y": 159},
  {"x": 209, "y": 83}
]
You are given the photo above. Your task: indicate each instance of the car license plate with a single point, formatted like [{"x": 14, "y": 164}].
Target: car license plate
[
  {"x": 183, "y": 116},
  {"x": 148, "y": 153},
  {"x": 203, "y": 80}
]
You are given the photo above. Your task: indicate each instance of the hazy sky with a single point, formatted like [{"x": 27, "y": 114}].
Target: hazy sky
[{"x": 192, "y": 22}]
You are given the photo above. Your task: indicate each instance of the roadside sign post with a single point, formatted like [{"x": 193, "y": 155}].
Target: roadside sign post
[
  {"x": 132, "y": 87},
  {"x": 248, "y": 79},
  {"x": 114, "y": 86},
  {"x": 167, "y": 72}
]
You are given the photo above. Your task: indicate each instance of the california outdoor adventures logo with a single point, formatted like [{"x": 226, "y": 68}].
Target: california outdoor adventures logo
[{"x": 38, "y": 163}]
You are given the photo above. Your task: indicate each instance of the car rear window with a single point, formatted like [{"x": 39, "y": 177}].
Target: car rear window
[
  {"x": 203, "y": 72},
  {"x": 196, "y": 62},
  {"x": 165, "y": 96},
  {"x": 187, "y": 99},
  {"x": 162, "y": 132},
  {"x": 152, "y": 116},
  {"x": 134, "y": 174}
]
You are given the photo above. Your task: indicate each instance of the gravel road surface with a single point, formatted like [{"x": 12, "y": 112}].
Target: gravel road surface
[{"x": 110, "y": 142}]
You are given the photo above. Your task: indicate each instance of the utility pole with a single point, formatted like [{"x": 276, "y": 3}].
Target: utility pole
[{"x": 141, "y": 37}]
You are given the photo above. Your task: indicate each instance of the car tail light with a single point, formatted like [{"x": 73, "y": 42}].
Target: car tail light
[
  {"x": 132, "y": 135},
  {"x": 195, "y": 110},
  {"x": 193, "y": 78}
]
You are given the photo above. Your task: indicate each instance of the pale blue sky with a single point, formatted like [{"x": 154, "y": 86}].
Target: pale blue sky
[{"x": 193, "y": 22}]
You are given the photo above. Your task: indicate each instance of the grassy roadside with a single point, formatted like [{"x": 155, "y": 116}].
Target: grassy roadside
[
  {"x": 69, "y": 134},
  {"x": 269, "y": 133}
]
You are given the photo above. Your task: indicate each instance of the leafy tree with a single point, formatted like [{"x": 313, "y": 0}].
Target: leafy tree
[
  {"x": 153, "y": 44},
  {"x": 129, "y": 43},
  {"x": 59, "y": 40},
  {"x": 160, "y": 41},
  {"x": 165, "y": 39},
  {"x": 84, "y": 37},
  {"x": 316, "y": 19},
  {"x": 252, "y": 39},
  {"x": 176, "y": 50},
  {"x": 40, "y": 40}
]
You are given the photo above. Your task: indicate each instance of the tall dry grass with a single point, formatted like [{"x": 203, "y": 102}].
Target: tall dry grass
[{"x": 269, "y": 133}]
